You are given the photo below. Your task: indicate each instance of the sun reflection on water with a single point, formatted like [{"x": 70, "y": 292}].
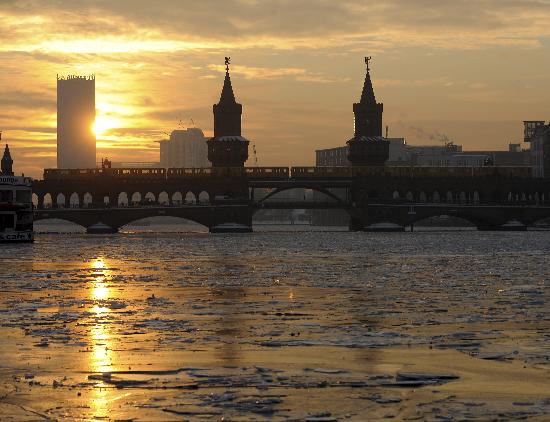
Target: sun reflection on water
[
  {"x": 98, "y": 264},
  {"x": 100, "y": 291},
  {"x": 99, "y": 337}
]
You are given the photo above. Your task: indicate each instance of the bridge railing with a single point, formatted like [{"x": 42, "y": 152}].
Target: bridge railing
[
  {"x": 285, "y": 172},
  {"x": 267, "y": 172},
  {"x": 189, "y": 172},
  {"x": 330, "y": 172},
  {"x": 81, "y": 174},
  {"x": 410, "y": 172}
]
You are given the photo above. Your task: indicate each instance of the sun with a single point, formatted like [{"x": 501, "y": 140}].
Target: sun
[{"x": 102, "y": 124}]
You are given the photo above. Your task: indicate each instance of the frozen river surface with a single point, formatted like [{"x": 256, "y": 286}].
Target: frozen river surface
[{"x": 317, "y": 326}]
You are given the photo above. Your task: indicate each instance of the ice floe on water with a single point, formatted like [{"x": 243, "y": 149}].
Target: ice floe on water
[{"x": 282, "y": 326}]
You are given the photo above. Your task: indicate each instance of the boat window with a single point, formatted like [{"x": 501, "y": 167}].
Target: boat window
[
  {"x": 6, "y": 195},
  {"x": 23, "y": 196},
  {"x": 24, "y": 221},
  {"x": 6, "y": 222}
]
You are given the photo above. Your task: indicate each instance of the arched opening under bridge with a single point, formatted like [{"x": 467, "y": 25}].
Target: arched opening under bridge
[
  {"x": 334, "y": 214},
  {"x": 163, "y": 224},
  {"x": 444, "y": 221},
  {"x": 57, "y": 225}
]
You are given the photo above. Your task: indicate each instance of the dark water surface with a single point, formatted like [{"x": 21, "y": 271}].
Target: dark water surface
[{"x": 290, "y": 325}]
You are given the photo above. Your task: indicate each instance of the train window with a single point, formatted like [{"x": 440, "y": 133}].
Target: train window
[
  {"x": 6, "y": 195},
  {"x": 23, "y": 196},
  {"x": 24, "y": 221}
]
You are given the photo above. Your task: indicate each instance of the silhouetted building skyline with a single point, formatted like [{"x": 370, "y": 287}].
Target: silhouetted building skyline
[
  {"x": 449, "y": 155},
  {"x": 185, "y": 148},
  {"x": 76, "y": 141}
]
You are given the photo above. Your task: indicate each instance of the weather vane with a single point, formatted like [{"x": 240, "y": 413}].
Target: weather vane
[
  {"x": 367, "y": 62},
  {"x": 227, "y": 61}
]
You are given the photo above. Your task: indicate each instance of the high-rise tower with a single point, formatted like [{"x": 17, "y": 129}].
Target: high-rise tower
[
  {"x": 368, "y": 147},
  {"x": 76, "y": 142},
  {"x": 227, "y": 148}
]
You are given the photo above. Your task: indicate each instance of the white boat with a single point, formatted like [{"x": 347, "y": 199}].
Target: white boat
[{"x": 16, "y": 209}]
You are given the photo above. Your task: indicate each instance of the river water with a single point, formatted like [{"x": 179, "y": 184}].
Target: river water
[{"x": 280, "y": 324}]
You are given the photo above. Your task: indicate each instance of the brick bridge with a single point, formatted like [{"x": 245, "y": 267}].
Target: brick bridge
[{"x": 225, "y": 199}]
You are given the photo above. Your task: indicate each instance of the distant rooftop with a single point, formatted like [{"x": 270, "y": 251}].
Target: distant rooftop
[{"x": 76, "y": 77}]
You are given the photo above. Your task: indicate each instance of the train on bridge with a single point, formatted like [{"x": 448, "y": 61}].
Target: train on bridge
[{"x": 286, "y": 173}]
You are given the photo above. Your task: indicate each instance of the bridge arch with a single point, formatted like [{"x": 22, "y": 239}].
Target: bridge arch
[
  {"x": 60, "y": 200},
  {"x": 470, "y": 221},
  {"x": 122, "y": 200},
  {"x": 149, "y": 198},
  {"x": 177, "y": 198},
  {"x": 538, "y": 219},
  {"x": 163, "y": 198},
  {"x": 87, "y": 199},
  {"x": 199, "y": 224},
  {"x": 321, "y": 190},
  {"x": 48, "y": 201},
  {"x": 136, "y": 198},
  {"x": 475, "y": 220},
  {"x": 190, "y": 198},
  {"x": 74, "y": 200},
  {"x": 422, "y": 197},
  {"x": 55, "y": 217},
  {"x": 204, "y": 198}
]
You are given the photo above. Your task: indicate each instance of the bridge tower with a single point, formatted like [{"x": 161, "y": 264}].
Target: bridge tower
[
  {"x": 227, "y": 148},
  {"x": 368, "y": 147}
]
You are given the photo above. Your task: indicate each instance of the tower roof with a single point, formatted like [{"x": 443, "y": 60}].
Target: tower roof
[
  {"x": 7, "y": 155},
  {"x": 367, "y": 95},
  {"x": 227, "y": 96}
]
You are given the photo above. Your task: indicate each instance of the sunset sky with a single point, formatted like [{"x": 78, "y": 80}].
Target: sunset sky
[{"x": 471, "y": 70}]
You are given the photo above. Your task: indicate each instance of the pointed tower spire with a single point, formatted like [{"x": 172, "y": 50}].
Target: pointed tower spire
[
  {"x": 227, "y": 96},
  {"x": 367, "y": 95},
  {"x": 7, "y": 163}
]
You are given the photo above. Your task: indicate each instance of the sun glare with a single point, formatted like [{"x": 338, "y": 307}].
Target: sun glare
[{"x": 103, "y": 124}]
